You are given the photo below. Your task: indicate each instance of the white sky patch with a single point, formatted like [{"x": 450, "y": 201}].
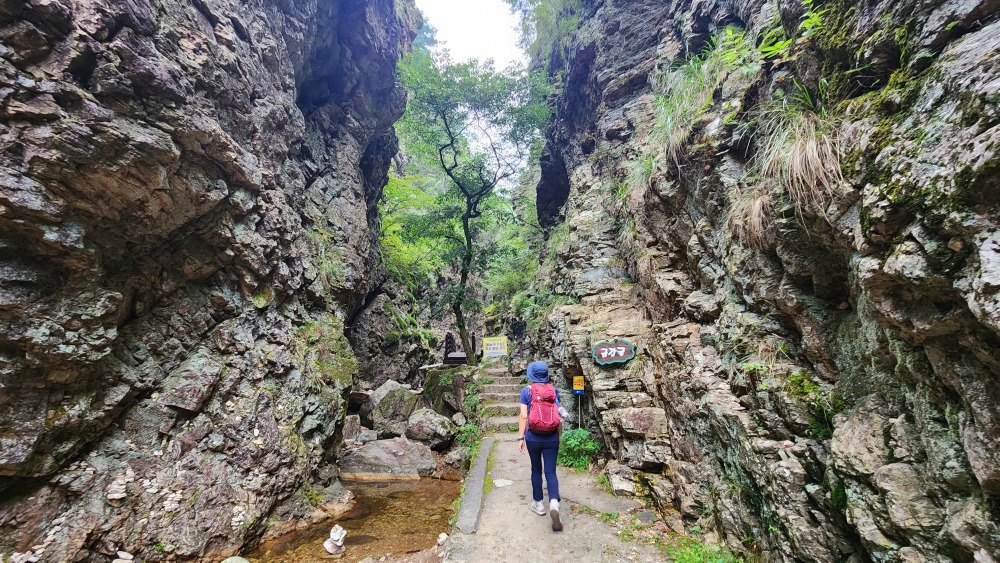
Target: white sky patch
[{"x": 475, "y": 29}]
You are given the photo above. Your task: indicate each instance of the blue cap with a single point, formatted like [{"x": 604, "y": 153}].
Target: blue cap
[{"x": 538, "y": 372}]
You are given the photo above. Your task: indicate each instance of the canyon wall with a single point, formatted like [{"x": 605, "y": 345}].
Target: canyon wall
[
  {"x": 817, "y": 377},
  {"x": 187, "y": 223}
]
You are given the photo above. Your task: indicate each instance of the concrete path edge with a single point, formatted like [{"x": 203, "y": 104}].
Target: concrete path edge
[{"x": 472, "y": 495}]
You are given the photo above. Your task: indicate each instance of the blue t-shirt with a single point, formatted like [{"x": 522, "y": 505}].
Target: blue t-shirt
[{"x": 528, "y": 434}]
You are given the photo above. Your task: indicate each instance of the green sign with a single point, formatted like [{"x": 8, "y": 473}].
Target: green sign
[{"x": 615, "y": 351}]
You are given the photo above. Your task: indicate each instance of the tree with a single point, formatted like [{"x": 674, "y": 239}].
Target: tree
[{"x": 475, "y": 125}]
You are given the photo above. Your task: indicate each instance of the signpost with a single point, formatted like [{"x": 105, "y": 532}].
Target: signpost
[
  {"x": 494, "y": 346},
  {"x": 617, "y": 351},
  {"x": 578, "y": 385}
]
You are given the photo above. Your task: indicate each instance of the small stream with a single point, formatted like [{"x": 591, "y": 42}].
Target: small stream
[{"x": 389, "y": 518}]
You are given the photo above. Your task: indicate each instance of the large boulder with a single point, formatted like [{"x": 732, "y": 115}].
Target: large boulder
[
  {"x": 391, "y": 408},
  {"x": 397, "y": 459},
  {"x": 427, "y": 426}
]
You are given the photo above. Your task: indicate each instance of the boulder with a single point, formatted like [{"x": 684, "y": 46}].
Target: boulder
[
  {"x": 427, "y": 426},
  {"x": 397, "y": 459},
  {"x": 352, "y": 426},
  {"x": 390, "y": 414}
]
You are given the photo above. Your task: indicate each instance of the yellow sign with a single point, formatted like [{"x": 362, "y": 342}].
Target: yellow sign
[
  {"x": 578, "y": 383},
  {"x": 494, "y": 346}
]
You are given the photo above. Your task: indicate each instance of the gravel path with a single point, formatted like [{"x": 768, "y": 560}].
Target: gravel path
[{"x": 509, "y": 531}]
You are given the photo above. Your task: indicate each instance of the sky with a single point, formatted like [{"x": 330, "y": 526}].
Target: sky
[{"x": 480, "y": 29}]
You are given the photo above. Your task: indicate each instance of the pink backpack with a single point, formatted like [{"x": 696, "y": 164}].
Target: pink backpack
[{"x": 543, "y": 415}]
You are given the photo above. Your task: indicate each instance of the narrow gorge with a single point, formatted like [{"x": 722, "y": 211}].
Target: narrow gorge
[{"x": 789, "y": 207}]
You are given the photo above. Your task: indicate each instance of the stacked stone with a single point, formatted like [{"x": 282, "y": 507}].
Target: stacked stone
[{"x": 334, "y": 545}]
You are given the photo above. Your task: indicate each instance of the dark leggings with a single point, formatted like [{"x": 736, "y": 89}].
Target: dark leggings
[{"x": 546, "y": 452}]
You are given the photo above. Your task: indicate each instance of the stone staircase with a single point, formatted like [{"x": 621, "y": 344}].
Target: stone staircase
[{"x": 501, "y": 401}]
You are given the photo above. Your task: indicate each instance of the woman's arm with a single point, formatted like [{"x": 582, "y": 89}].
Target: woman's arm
[{"x": 522, "y": 425}]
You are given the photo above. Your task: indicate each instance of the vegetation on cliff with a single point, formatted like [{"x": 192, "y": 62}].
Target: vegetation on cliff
[{"x": 467, "y": 133}]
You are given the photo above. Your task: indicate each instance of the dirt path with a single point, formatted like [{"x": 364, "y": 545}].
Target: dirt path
[{"x": 509, "y": 531}]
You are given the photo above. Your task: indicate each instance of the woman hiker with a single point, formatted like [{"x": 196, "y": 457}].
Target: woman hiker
[{"x": 538, "y": 431}]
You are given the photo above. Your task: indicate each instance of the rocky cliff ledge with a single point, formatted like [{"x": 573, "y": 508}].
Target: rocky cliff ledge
[
  {"x": 817, "y": 379},
  {"x": 187, "y": 193}
]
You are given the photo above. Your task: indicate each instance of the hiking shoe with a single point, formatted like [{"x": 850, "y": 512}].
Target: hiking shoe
[
  {"x": 554, "y": 514},
  {"x": 538, "y": 508}
]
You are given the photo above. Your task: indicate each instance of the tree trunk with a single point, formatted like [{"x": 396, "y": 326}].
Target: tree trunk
[{"x": 463, "y": 331}]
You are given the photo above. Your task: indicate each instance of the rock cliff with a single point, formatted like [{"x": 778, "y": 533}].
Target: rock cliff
[
  {"x": 187, "y": 220},
  {"x": 816, "y": 378}
]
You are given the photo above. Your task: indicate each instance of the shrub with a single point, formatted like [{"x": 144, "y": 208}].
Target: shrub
[
  {"x": 691, "y": 550},
  {"x": 749, "y": 216},
  {"x": 577, "y": 448}
]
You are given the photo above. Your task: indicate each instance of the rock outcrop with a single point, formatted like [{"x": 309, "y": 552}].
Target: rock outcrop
[
  {"x": 187, "y": 219},
  {"x": 816, "y": 378}
]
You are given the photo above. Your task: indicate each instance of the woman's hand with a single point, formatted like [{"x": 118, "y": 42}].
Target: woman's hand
[{"x": 521, "y": 445}]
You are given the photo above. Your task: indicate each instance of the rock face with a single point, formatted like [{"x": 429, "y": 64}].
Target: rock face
[
  {"x": 822, "y": 382},
  {"x": 187, "y": 218},
  {"x": 387, "y": 340}
]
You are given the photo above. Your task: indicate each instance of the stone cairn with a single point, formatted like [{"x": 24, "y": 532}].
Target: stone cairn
[{"x": 334, "y": 545}]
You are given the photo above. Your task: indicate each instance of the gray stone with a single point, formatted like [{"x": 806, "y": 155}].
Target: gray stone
[
  {"x": 906, "y": 498},
  {"x": 352, "y": 426},
  {"x": 397, "y": 459},
  {"x": 391, "y": 411},
  {"x": 425, "y": 425}
]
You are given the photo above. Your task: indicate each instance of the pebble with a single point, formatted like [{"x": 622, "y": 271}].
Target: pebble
[
  {"x": 125, "y": 555},
  {"x": 337, "y": 534},
  {"x": 442, "y": 538}
]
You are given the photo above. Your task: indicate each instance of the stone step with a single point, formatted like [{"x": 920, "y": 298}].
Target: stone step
[
  {"x": 502, "y": 380},
  {"x": 502, "y": 409},
  {"x": 501, "y": 388},
  {"x": 501, "y": 424},
  {"x": 509, "y": 397},
  {"x": 496, "y": 371}
]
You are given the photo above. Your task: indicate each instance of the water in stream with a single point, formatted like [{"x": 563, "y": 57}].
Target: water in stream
[{"x": 389, "y": 518}]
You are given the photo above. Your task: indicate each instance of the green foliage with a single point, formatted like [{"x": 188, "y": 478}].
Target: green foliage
[
  {"x": 469, "y": 129},
  {"x": 547, "y": 26},
  {"x": 838, "y": 494},
  {"x": 160, "y": 546},
  {"x": 753, "y": 367},
  {"x": 533, "y": 304},
  {"x": 312, "y": 496},
  {"x": 410, "y": 255},
  {"x": 685, "y": 91},
  {"x": 324, "y": 353},
  {"x": 576, "y": 449},
  {"x": 609, "y": 517},
  {"x": 691, "y": 550}
]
